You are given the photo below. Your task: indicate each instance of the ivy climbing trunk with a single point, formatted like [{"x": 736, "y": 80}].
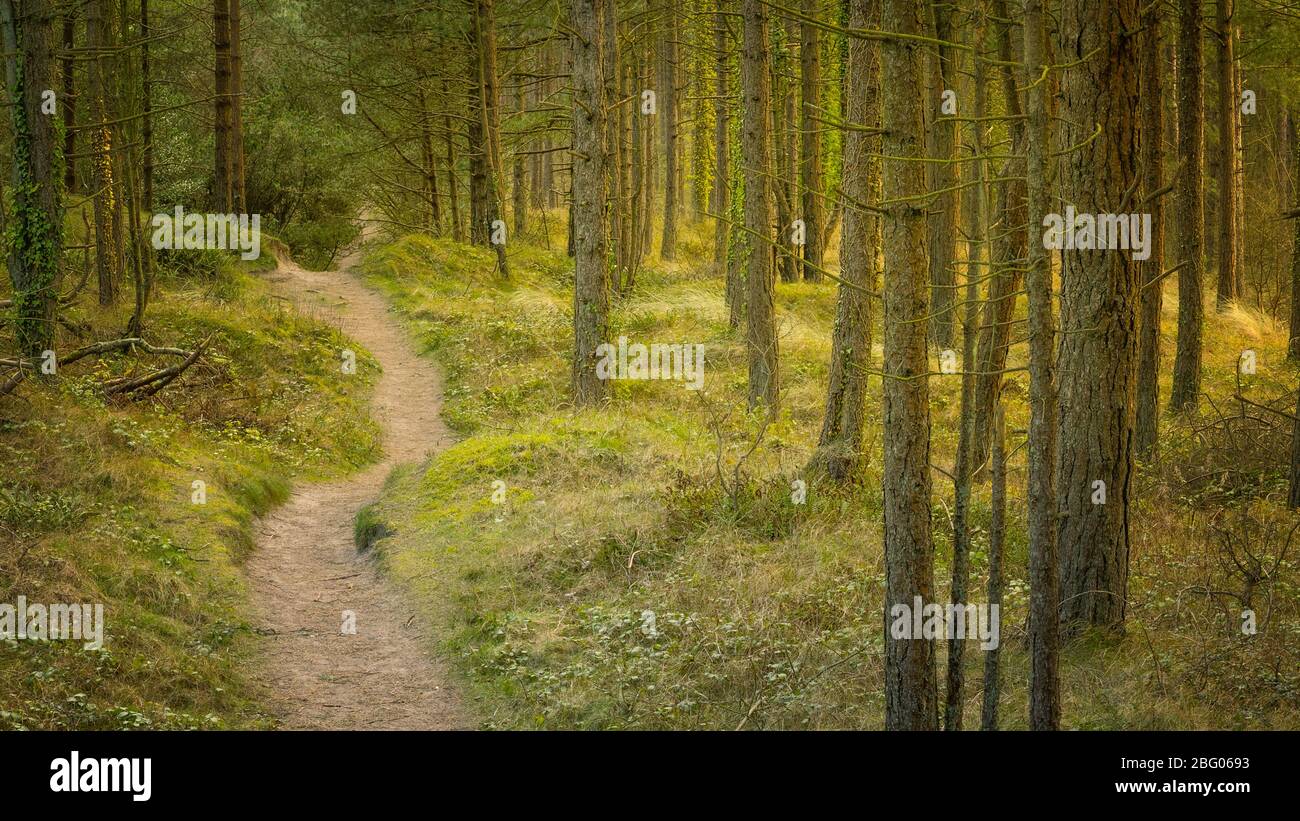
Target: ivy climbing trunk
[{"x": 36, "y": 231}]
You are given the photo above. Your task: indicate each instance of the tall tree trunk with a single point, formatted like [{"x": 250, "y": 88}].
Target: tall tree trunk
[
  {"x": 1153, "y": 155},
  {"x": 1293, "y": 345},
  {"x": 1227, "y": 210},
  {"x": 476, "y": 140},
  {"x": 609, "y": 79},
  {"x": 700, "y": 143},
  {"x": 760, "y": 333},
  {"x": 980, "y": 390},
  {"x": 943, "y": 221},
  {"x": 787, "y": 179},
  {"x": 431, "y": 208},
  {"x": 622, "y": 141},
  {"x": 591, "y": 291},
  {"x": 997, "y": 538},
  {"x": 977, "y": 206},
  {"x": 221, "y": 188},
  {"x": 722, "y": 154},
  {"x": 1189, "y": 210},
  {"x": 146, "y": 113},
  {"x": 1008, "y": 250},
  {"x": 453, "y": 194},
  {"x": 36, "y": 234},
  {"x": 236, "y": 148},
  {"x": 1044, "y": 582},
  {"x": 134, "y": 131},
  {"x": 1238, "y": 174},
  {"x": 846, "y": 394},
  {"x": 782, "y": 260},
  {"x": 1293, "y": 492},
  {"x": 738, "y": 241},
  {"x": 638, "y": 215},
  {"x": 1099, "y": 295},
  {"x": 548, "y": 161},
  {"x": 911, "y": 698},
  {"x": 810, "y": 158},
  {"x": 98, "y": 26},
  {"x": 651, "y": 155},
  {"x": 70, "y": 99},
  {"x": 519, "y": 189},
  {"x": 489, "y": 98},
  {"x": 141, "y": 259},
  {"x": 668, "y": 117}
]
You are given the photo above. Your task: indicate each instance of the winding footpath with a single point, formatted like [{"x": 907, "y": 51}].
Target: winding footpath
[{"x": 306, "y": 570}]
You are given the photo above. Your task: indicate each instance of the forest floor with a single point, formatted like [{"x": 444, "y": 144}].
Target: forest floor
[
  {"x": 307, "y": 573},
  {"x": 652, "y": 564}
]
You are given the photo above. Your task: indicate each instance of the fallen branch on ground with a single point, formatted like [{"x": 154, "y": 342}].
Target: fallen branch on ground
[{"x": 158, "y": 379}]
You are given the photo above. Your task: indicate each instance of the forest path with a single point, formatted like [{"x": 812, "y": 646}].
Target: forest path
[{"x": 306, "y": 570}]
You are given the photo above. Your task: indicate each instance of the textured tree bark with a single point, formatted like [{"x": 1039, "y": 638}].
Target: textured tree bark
[
  {"x": 637, "y": 209},
  {"x": 1227, "y": 106},
  {"x": 553, "y": 66},
  {"x": 700, "y": 143},
  {"x": 784, "y": 254},
  {"x": 453, "y": 193},
  {"x": 519, "y": 190},
  {"x": 668, "y": 118},
  {"x": 722, "y": 155},
  {"x": 911, "y": 698},
  {"x": 1153, "y": 137},
  {"x": 943, "y": 219},
  {"x": 613, "y": 145},
  {"x": 70, "y": 95},
  {"x": 137, "y": 252},
  {"x": 1293, "y": 346},
  {"x": 140, "y": 258},
  {"x": 476, "y": 142},
  {"x": 236, "y": 148},
  {"x": 977, "y": 205},
  {"x": 1008, "y": 250},
  {"x": 997, "y": 536},
  {"x": 1238, "y": 175},
  {"x": 810, "y": 157},
  {"x": 222, "y": 122},
  {"x": 36, "y": 233},
  {"x": 146, "y": 115},
  {"x": 591, "y": 290},
  {"x": 840, "y": 444},
  {"x": 431, "y": 212},
  {"x": 98, "y": 25},
  {"x": 651, "y": 155},
  {"x": 1099, "y": 294},
  {"x": 622, "y": 114},
  {"x": 490, "y": 122},
  {"x": 1293, "y": 492},
  {"x": 1189, "y": 210},
  {"x": 1044, "y": 582},
  {"x": 536, "y": 199},
  {"x": 760, "y": 314}
]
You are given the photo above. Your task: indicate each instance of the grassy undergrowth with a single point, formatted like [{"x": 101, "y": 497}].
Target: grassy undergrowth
[
  {"x": 97, "y": 499},
  {"x": 648, "y": 568}
]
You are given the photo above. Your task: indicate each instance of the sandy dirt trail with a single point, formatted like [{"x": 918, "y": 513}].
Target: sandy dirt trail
[{"x": 306, "y": 570}]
